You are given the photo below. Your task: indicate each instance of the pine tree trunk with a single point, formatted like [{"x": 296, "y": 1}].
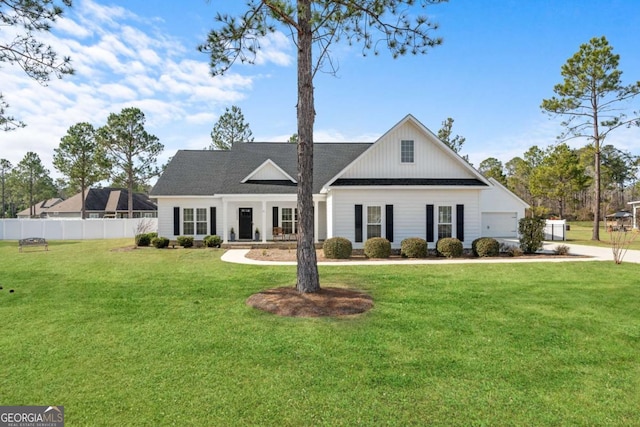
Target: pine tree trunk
[
  {"x": 596, "y": 208},
  {"x": 596, "y": 202},
  {"x": 308, "y": 279}
]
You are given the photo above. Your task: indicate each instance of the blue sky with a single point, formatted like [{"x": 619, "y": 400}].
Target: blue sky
[{"x": 499, "y": 59}]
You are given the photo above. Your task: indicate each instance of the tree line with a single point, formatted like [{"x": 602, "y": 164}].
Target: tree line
[
  {"x": 593, "y": 102},
  {"x": 559, "y": 181},
  {"x": 121, "y": 151}
]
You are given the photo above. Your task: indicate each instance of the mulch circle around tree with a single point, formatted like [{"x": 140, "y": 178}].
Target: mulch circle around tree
[{"x": 328, "y": 302}]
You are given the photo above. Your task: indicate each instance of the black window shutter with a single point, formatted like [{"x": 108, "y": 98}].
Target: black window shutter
[
  {"x": 274, "y": 220},
  {"x": 176, "y": 221},
  {"x": 389, "y": 222},
  {"x": 460, "y": 222},
  {"x": 213, "y": 218},
  {"x": 429, "y": 223},
  {"x": 358, "y": 223}
]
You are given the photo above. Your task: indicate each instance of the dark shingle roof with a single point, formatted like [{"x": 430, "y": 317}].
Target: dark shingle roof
[
  {"x": 208, "y": 172},
  {"x": 97, "y": 198}
]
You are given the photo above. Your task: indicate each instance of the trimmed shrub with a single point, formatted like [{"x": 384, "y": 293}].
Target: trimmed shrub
[
  {"x": 561, "y": 250},
  {"x": 474, "y": 244},
  {"x": 531, "y": 232},
  {"x": 377, "y": 247},
  {"x": 143, "y": 240},
  {"x": 214, "y": 241},
  {"x": 514, "y": 251},
  {"x": 413, "y": 247},
  {"x": 185, "y": 241},
  {"x": 485, "y": 247},
  {"x": 337, "y": 248},
  {"x": 160, "y": 242},
  {"x": 449, "y": 247},
  {"x": 152, "y": 235}
]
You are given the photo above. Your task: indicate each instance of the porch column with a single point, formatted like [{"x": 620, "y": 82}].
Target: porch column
[
  {"x": 635, "y": 216},
  {"x": 225, "y": 228},
  {"x": 264, "y": 222},
  {"x": 315, "y": 221}
]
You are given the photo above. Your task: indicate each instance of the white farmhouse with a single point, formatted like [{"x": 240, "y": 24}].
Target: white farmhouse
[{"x": 406, "y": 184}]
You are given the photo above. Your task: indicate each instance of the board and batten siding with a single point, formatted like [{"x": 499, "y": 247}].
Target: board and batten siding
[
  {"x": 409, "y": 211},
  {"x": 431, "y": 160}
]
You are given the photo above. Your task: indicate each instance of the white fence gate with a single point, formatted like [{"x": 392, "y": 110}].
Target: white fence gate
[
  {"x": 555, "y": 229},
  {"x": 75, "y": 229}
]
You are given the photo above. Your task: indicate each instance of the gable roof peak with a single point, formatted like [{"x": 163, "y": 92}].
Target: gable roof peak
[{"x": 268, "y": 171}]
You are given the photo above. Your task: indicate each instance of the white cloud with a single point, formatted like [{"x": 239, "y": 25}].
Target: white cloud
[
  {"x": 116, "y": 91},
  {"x": 95, "y": 16},
  {"x": 123, "y": 60},
  {"x": 275, "y": 48},
  {"x": 202, "y": 118},
  {"x": 72, "y": 28}
]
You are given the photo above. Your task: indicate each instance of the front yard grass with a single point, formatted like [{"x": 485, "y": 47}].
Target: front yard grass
[
  {"x": 580, "y": 233},
  {"x": 163, "y": 337}
]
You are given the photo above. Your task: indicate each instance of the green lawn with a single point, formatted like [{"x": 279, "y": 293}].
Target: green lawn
[
  {"x": 580, "y": 233},
  {"x": 163, "y": 337}
]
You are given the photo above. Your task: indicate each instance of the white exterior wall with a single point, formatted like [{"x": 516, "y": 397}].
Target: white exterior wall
[
  {"x": 165, "y": 213},
  {"x": 262, "y": 213},
  {"x": 409, "y": 211},
  {"x": 430, "y": 160},
  {"x": 501, "y": 211},
  {"x": 165, "y": 216},
  {"x": 497, "y": 199}
]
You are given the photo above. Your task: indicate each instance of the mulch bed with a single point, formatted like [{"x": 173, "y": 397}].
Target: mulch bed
[{"x": 287, "y": 301}]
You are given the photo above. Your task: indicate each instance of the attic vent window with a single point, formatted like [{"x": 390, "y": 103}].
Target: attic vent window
[{"x": 406, "y": 151}]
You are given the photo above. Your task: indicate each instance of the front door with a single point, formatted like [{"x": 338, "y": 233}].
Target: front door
[{"x": 246, "y": 223}]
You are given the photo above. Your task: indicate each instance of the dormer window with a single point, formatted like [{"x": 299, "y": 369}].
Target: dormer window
[{"x": 406, "y": 151}]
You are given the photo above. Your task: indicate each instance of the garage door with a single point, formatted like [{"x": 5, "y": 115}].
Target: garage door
[{"x": 499, "y": 224}]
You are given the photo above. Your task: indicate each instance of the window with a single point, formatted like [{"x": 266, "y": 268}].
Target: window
[
  {"x": 187, "y": 222},
  {"x": 445, "y": 223},
  {"x": 406, "y": 151},
  {"x": 194, "y": 221},
  {"x": 289, "y": 220},
  {"x": 374, "y": 221},
  {"x": 201, "y": 221}
]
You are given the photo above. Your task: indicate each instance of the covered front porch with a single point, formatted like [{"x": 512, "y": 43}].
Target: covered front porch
[{"x": 267, "y": 219}]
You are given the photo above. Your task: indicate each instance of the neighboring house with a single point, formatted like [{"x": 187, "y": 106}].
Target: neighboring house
[
  {"x": 40, "y": 208},
  {"x": 406, "y": 184},
  {"x": 103, "y": 203}
]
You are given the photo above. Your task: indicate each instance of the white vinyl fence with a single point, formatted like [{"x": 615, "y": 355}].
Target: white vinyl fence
[
  {"x": 555, "y": 229},
  {"x": 75, "y": 229}
]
